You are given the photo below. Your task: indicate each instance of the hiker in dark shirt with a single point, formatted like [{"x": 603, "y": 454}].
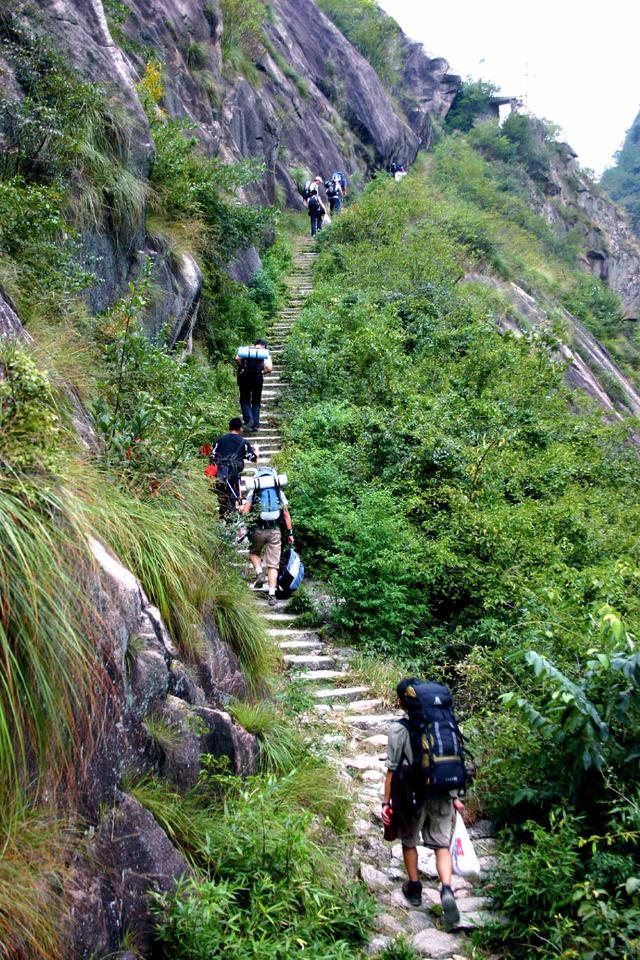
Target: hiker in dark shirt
[
  {"x": 229, "y": 453},
  {"x": 251, "y": 371},
  {"x": 316, "y": 211},
  {"x": 334, "y": 193}
]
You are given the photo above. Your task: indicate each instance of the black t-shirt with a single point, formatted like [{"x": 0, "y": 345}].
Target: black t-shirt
[{"x": 232, "y": 450}]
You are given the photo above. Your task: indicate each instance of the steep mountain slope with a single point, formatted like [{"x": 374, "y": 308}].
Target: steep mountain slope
[
  {"x": 143, "y": 144},
  {"x": 622, "y": 180},
  {"x": 310, "y": 101}
]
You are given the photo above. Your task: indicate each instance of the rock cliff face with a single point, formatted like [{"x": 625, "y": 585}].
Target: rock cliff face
[
  {"x": 151, "y": 683},
  {"x": 312, "y": 104},
  {"x": 609, "y": 248},
  {"x": 589, "y": 367}
]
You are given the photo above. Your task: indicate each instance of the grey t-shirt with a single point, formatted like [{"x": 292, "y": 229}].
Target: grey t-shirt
[{"x": 398, "y": 743}]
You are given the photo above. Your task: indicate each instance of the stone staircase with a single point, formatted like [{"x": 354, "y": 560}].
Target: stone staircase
[{"x": 352, "y": 722}]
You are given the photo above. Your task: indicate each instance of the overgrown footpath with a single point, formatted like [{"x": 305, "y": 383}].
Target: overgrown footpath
[{"x": 477, "y": 523}]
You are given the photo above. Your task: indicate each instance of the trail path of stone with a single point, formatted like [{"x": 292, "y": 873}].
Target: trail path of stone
[{"x": 352, "y": 723}]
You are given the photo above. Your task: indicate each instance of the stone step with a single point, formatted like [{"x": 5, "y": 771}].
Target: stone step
[
  {"x": 310, "y": 663},
  {"x": 280, "y": 617},
  {"x": 340, "y": 693},
  {"x": 301, "y": 645},
  {"x": 355, "y": 707},
  {"x": 373, "y": 723},
  {"x": 291, "y": 634},
  {"x": 311, "y": 675}
]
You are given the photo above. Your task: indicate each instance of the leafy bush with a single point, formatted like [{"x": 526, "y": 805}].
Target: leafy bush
[
  {"x": 261, "y": 892},
  {"x": 553, "y": 910},
  {"x": 156, "y": 405},
  {"x": 243, "y": 27},
  {"x": 472, "y": 101}
]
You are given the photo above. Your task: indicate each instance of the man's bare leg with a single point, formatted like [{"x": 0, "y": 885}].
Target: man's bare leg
[{"x": 410, "y": 855}]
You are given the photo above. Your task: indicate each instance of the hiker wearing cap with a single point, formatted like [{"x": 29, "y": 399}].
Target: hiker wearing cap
[
  {"x": 252, "y": 362},
  {"x": 270, "y": 512},
  {"x": 426, "y": 773},
  {"x": 228, "y": 455},
  {"x": 316, "y": 211}
]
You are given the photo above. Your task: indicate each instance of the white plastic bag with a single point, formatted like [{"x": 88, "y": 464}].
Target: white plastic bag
[{"x": 465, "y": 861}]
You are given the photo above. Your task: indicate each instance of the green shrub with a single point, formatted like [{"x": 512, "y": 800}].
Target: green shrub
[
  {"x": 472, "y": 101},
  {"x": 552, "y": 909},
  {"x": 243, "y": 27},
  {"x": 269, "y": 881}
]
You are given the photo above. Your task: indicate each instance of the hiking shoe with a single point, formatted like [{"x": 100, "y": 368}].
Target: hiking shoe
[
  {"x": 259, "y": 582},
  {"x": 450, "y": 912},
  {"x": 272, "y": 600},
  {"x": 412, "y": 890}
]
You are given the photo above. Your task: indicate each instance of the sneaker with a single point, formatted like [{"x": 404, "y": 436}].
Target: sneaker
[
  {"x": 412, "y": 890},
  {"x": 450, "y": 912},
  {"x": 272, "y": 600},
  {"x": 259, "y": 582}
]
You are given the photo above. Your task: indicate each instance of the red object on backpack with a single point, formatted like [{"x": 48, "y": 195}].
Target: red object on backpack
[
  {"x": 206, "y": 450},
  {"x": 211, "y": 470}
]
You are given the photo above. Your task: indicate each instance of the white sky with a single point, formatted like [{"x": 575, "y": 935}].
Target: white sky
[{"x": 574, "y": 63}]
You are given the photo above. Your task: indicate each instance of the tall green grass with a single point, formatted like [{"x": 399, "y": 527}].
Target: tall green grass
[
  {"x": 34, "y": 875},
  {"x": 49, "y": 672}
]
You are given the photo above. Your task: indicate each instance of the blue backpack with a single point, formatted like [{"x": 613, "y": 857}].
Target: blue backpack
[
  {"x": 270, "y": 503},
  {"x": 290, "y": 574}
]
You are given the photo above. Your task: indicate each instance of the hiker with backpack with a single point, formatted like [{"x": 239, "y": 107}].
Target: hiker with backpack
[
  {"x": 253, "y": 362},
  {"x": 333, "y": 190},
  {"x": 316, "y": 211},
  {"x": 228, "y": 456},
  {"x": 426, "y": 774},
  {"x": 269, "y": 510},
  {"x": 309, "y": 187}
]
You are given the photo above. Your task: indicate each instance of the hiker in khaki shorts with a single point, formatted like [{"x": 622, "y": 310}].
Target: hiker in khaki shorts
[{"x": 266, "y": 535}]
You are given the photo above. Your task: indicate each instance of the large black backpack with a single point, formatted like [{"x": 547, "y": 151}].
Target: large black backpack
[
  {"x": 314, "y": 206},
  {"x": 436, "y": 741}
]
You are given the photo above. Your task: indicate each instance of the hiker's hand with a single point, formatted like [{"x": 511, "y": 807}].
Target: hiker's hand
[
  {"x": 460, "y": 808},
  {"x": 291, "y": 539},
  {"x": 387, "y": 814}
]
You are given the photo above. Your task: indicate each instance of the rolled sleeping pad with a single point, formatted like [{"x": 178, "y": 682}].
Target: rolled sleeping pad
[
  {"x": 265, "y": 482},
  {"x": 253, "y": 353}
]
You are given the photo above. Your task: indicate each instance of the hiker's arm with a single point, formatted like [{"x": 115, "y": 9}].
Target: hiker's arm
[
  {"x": 268, "y": 365},
  {"x": 245, "y": 507},
  {"x": 249, "y": 453},
  {"x": 238, "y": 360},
  {"x": 387, "y": 787},
  {"x": 286, "y": 516}
]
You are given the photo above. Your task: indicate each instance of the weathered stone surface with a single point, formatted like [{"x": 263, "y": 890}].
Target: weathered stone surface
[
  {"x": 221, "y": 737},
  {"x": 436, "y": 944},
  {"x": 10, "y": 325},
  {"x": 134, "y": 856},
  {"x": 374, "y": 879},
  {"x": 218, "y": 668}
]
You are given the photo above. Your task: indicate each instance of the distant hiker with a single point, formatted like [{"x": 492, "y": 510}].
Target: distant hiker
[
  {"x": 316, "y": 212},
  {"x": 397, "y": 170},
  {"x": 333, "y": 190},
  {"x": 253, "y": 362},
  {"x": 271, "y": 511},
  {"x": 341, "y": 178},
  {"x": 309, "y": 187},
  {"x": 228, "y": 454},
  {"x": 426, "y": 773}
]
